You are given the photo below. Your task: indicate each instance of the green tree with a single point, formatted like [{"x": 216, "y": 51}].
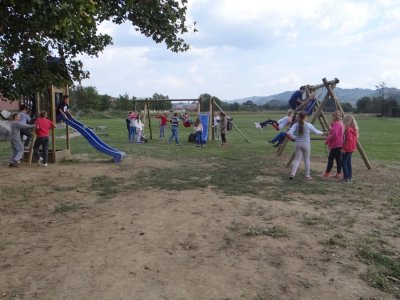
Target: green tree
[
  {"x": 124, "y": 103},
  {"x": 105, "y": 102},
  {"x": 32, "y": 32},
  {"x": 205, "y": 101},
  {"x": 85, "y": 97},
  {"x": 160, "y": 105}
]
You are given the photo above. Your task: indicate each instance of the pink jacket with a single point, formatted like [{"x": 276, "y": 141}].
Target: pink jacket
[
  {"x": 335, "y": 137},
  {"x": 350, "y": 139}
]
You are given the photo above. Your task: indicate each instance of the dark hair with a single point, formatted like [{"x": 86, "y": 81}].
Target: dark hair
[
  {"x": 65, "y": 97},
  {"x": 22, "y": 107},
  {"x": 43, "y": 114},
  {"x": 302, "y": 88},
  {"x": 14, "y": 115},
  {"x": 302, "y": 118}
]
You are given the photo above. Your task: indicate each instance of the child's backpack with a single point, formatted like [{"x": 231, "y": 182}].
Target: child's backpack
[
  {"x": 143, "y": 139},
  {"x": 192, "y": 137},
  {"x": 229, "y": 124}
]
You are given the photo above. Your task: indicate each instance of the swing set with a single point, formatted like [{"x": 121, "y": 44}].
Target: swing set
[{"x": 312, "y": 106}]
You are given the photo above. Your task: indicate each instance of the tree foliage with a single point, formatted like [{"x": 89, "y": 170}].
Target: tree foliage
[
  {"x": 204, "y": 100},
  {"x": 35, "y": 32}
]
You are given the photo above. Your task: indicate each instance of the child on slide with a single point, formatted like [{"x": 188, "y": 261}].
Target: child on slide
[{"x": 278, "y": 125}]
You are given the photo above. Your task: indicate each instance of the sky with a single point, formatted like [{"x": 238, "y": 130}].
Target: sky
[{"x": 256, "y": 48}]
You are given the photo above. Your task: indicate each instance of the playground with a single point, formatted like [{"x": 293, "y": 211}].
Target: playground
[{"x": 188, "y": 223}]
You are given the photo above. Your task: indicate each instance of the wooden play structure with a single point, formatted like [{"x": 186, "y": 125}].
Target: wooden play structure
[
  {"x": 48, "y": 101},
  {"x": 318, "y": 114}
]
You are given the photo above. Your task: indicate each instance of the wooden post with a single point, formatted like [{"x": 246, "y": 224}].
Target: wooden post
[
  {"x": 212, "y": 115},
  {"x": 339, "y": 106},
  {"x": 148, "y": 116},
  {"x": 67, "y": 137},
  {"x": 53, "y": 118}
]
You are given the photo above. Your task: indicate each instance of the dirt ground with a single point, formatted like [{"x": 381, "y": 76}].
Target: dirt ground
[{"x": 60, "y": 239}]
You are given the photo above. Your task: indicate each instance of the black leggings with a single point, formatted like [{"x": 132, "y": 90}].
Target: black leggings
[
  {"x": 223, "y": 138},
  {"x": 335, "y": 154},
  {"x": 269, "y": 122}
]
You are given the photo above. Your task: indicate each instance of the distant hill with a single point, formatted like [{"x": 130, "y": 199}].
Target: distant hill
[{"x": 345, "y": 95}]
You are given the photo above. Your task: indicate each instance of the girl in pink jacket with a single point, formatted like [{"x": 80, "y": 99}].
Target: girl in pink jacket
[{"x": 335, "y": 142}]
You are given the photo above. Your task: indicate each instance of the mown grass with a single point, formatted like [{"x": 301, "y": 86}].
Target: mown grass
[
  {"x": 377, "y": 135},
  {"x": 384, "y": 267}
]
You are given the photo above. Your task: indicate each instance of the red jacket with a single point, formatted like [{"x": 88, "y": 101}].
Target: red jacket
[
  {"x": 335, "y": 137},
  {"x": 350, "y": 139},
  {"x": 43, "y": 126}
]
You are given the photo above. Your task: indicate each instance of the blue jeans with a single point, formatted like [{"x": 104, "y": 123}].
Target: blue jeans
[
  {"x": 175, "y": 133},
  {"x": 279, "y": 138},
  {"x": 132, "y": 132},
  {"x": 162, "y": 130},
  {"x": 346, "y": 165},
  {"x": 199, "y": 138}
]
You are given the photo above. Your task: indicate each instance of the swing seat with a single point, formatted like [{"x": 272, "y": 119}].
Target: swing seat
[{"x": 187, "y": 123}]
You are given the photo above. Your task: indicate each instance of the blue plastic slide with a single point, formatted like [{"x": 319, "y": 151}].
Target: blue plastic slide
[
  {"x": 94, "y": 140},
  {"x": 204, "y": 121}
]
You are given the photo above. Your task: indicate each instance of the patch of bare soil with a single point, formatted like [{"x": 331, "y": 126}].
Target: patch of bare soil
[{"x": 61, "y": 239}]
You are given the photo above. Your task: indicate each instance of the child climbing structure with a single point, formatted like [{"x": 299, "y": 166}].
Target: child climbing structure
[
  {"x": 314, "y": 108},
  {"x": 48, "y": 101}
]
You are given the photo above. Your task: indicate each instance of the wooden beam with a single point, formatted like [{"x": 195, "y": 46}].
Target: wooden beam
[{"x": 339, "y": 107}]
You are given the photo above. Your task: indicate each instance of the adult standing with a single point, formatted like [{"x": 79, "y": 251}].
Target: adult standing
[{"x": 297, "y": 98}]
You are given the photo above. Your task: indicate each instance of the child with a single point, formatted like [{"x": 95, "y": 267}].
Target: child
[
  {"x": 335, "y": 142},
  {"x": 349, "y": 146},
  {"x": 139, "y": 129},
  {"x": 174, "y": 129},
  {"x": 24, "y": 118},
  {"x": 217, "y": 134},
  {"x": 15, "y": 139},
  {"x": 43, "y": 125},
  {"x": 223, "y": 125},
  {"x": 62, "y": 110},
  {"x": 198, "y": 129},
  {"x": 278, "y": 125},
  {"x": 300, "y": 133},
  {"x": 163, "y": 124},
  {"x": 132, "y": 126},
  {"x": 282, "y": 123}
]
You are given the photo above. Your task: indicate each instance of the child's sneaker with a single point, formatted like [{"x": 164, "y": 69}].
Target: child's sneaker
[
  {"x": 258, "y": 126},
  {"x": 44, "y": 165},
  {"x": 338, "y": 175},
  {"x": 308, "y": 177},
  {"x": 326, "y": 175},
  {"x": 40, "y": 160},
  {"x": 13, "y": 164}
]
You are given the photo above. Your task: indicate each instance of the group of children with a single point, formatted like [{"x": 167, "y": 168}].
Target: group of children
[
  {"x": 135, "y": 127},
  {"x": 41, "y": 126},
  {"x": 341, "y": 140}
]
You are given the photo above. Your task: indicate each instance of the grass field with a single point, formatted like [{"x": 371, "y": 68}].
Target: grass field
[
  {"x": 379, "y": 137},
  {"x": 184, "y": 222}
]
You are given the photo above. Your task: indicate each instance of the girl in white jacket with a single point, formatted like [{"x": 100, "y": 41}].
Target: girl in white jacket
[
  {"x": 300, "y": 133},
  {"x": 139, "y": 129}
]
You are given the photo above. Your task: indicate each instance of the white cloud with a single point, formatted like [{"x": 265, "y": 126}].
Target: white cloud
[{"x": 257, "y": 47}]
